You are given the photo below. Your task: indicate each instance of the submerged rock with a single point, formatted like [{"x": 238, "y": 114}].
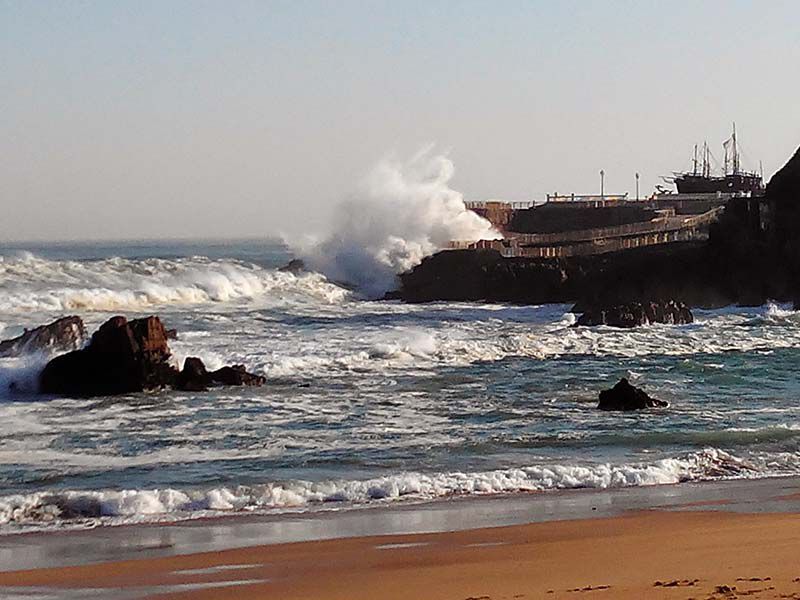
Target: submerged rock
[
  {"x": 196, "y": 378},
  {"x": 624, "y": 396},
  {"x": 294, "y": 266},
  {"x": 236, "y": 375},
  {"x": 130, "y": 356},
  {"x": 634, "y": 314},
  {"x": 63, "y": 335}
]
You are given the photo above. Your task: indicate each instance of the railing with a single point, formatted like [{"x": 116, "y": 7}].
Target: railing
[
  {"x": 600, "y": 240},
  {"x": 482, "y": 204},
  {"x": 587, "y": 197},
  {"x": 605, "y": 245},
  {"x": 617, "y": 231}
]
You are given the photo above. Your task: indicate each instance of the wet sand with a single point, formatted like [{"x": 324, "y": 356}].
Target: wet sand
[
  {"x": 644, "y": 555},
  {"x": 698, "y": 542}
]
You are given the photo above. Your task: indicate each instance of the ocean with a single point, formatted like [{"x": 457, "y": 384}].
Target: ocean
[{"x": 368, "y": 403}]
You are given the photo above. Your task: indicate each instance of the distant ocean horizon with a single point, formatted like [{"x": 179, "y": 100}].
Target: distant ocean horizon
[{"x": 367, "y": 402}]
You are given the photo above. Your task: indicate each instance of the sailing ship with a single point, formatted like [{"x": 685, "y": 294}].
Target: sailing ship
[{"x": 734, "y": 180}]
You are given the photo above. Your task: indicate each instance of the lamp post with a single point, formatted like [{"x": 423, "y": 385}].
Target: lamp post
[
  {"x": 637, "y": 187},
  {"x": 602, "y": 184}
]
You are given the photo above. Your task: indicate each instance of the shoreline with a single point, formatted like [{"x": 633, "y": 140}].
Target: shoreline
[
  {"x": 643, "y": 554},
  {"x": 158, "y": 540}
]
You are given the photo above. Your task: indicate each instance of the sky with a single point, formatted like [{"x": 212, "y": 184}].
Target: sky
[{"x": 171, "y": 119}]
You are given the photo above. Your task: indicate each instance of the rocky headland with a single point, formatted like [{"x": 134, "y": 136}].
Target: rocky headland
[{"x": 752, "y": 256}]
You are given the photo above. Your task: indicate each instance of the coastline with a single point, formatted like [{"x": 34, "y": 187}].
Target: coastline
[{"x": 507, "y": 546}]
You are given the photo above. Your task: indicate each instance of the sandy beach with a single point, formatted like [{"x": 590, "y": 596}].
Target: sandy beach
[{"x": 701, "y": 553}]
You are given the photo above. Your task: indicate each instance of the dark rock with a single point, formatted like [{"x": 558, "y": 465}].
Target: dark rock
[
  {"x": 681, "y": 270},
  {"x": 295, "y": 266},
  {"x": 624, "y": 396},
  {"x": 132, "y": 356},
  {"x": 194, "y": 376},
  {"x": 122, "y": 357},
  {"x": 634, "y": 314},
  {"x": 236, "y": 375},
  {"x": 172, "y": 334},
  {"x": 63, "y": 335}
]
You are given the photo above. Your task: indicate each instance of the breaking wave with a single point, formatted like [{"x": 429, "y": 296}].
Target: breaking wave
[
  {"x": 402, "y": 212},
  {"x": 120, "y": 506},
  {"x": 115, "y": 284}
]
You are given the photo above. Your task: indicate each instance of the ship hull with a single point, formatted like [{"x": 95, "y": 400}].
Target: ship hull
[{"x": 689, "y": 183}]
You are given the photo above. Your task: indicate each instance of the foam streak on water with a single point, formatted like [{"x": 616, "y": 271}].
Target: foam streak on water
[{"x": 370, "y": 402}]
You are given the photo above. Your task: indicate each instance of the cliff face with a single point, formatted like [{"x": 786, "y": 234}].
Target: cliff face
[
  {"x": 743, "y": 263},
  {"x": 783, "y": 196},
  {"x": 656, "y": 272}
]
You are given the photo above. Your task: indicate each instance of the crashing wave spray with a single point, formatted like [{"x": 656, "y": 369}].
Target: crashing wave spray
[{"x": 403, "y": 212}]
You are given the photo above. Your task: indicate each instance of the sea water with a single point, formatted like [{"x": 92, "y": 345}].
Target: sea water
[{"x": 368, "y": 402}]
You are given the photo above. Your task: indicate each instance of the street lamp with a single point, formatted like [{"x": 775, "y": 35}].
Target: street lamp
[{"x": 602, "y": 184}]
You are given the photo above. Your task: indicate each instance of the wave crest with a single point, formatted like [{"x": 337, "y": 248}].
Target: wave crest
[
  {"x": 31, "y": 283},
  {"x": 138, "y": 505}
]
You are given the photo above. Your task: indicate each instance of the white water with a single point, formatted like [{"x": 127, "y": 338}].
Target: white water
[
  {"x": 373, "y": 401},
  {"x": 137, "y": 505},
  {"x": 402, "y": 212},
  {"x": 35, "y": 284}
]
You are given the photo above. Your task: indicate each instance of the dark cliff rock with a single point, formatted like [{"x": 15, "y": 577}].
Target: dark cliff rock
[
  {"x": 63, "y": 335},
  {"x": 669, "y": 271},
  {"x": 634, "y": 314},
  {"x": 623, "y": 396},
  {"x": 783, "y": 197},
  {"x": 126, "y": 357}
]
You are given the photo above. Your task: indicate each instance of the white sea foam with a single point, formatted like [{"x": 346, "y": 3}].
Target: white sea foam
[
  {"x": 36, "y": 284},
  {"x": 402, "y": 212},
  {"x": 139, "y": 504}
]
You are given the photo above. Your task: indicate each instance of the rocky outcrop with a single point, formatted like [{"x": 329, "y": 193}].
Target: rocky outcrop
[
  {"x": 122, "y": 357},
  {"x": 623, "y": 396},
  {"x": 195, "y": 378},
  {"x": 63, "y": 335},
  {"x": 681, "y": 270},
  {"x": 294, "y": 266},
  {"x": 634, "y": 314},
  {"x": 127, "y": 357}
]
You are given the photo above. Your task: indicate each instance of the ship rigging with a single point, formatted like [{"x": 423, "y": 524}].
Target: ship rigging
[{"x": 734, "y": 180}]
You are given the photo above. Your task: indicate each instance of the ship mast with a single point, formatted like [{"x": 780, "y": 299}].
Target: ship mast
[{"x": 735, "y": 152}]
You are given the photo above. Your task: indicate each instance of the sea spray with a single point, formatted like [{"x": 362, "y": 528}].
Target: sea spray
[{"x": 402, "y": 212}]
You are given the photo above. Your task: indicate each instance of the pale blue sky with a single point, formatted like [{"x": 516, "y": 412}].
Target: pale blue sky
[{"x": 181, "y": 119}]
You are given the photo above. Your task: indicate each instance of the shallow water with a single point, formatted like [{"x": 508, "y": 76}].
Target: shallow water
[{"x": 369, "y": 402}]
